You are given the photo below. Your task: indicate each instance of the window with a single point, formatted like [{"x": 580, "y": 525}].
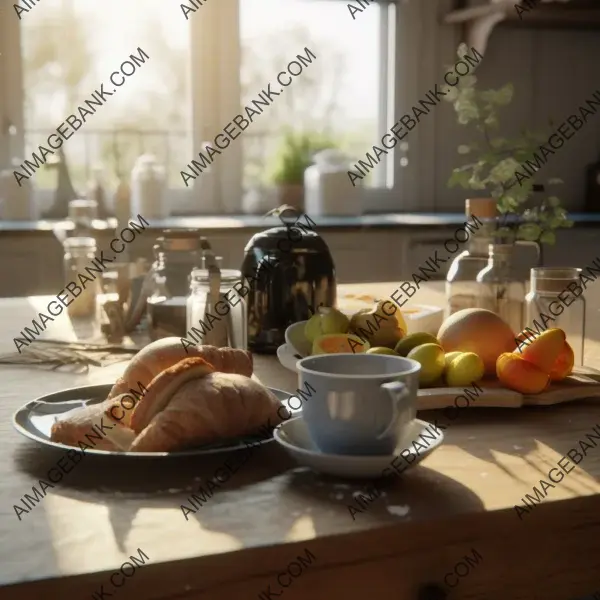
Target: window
[
  {"x": 68, "y": 49},
  {"x": 339, "y": 93},
  {"x": 201, "y": 72}
]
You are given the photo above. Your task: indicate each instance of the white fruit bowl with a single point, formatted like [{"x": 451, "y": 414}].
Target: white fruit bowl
[{"x": 418, "y": 318}]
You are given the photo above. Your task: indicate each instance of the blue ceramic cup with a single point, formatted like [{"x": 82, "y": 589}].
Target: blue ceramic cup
[{"x": 362, "y": 403}]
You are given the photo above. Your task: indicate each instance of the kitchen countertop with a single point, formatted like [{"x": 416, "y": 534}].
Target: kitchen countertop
[
  {"x": 258, "y": 222},
  {"x": 454, "y": 512}
]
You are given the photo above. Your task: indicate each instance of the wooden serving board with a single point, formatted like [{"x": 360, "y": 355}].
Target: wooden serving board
[{"x": 583, "y": 383}]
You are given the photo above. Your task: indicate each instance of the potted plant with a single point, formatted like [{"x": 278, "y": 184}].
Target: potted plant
[
  {"x": 496, "y": 165},
  {"x": 293, "y": 157}
]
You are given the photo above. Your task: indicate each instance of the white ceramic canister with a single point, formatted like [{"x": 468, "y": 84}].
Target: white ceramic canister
[
  {"x": 148, "y": 187},
  {"x": 327, "y": 188}
]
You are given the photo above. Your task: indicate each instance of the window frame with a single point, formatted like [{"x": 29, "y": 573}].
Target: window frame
[{"x": 215, "y": 59}]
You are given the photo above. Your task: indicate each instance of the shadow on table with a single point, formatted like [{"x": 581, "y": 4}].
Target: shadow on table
[
  {"x": 127, "y": 484},
  {"x": 136, "y": 477},
  {"x": 492, "y": 432},
  {"x": 282, "y": 492},
  {"x": 417, "y": 493}
]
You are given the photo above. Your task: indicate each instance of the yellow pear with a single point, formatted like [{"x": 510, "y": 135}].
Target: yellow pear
[
  {"x": 382, "y": 325},
  {"x": 325, "y": 321}
]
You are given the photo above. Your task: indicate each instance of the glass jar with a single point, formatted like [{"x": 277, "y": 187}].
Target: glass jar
[
  {"x": 79, "y": 254},
  {"x": 462, "y": 289},
  {"x": 551, "y": 297},
  {"x": 177, "y": 253},
  {"x": 225, "y": 322},
  {"x": 499, "y": 290}
]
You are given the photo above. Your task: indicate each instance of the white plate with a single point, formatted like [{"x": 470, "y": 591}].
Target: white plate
[
  {"x": 288, "y": 357},
  {"x": 293, "y": 436},
  {"x": 428, "y": 319}
]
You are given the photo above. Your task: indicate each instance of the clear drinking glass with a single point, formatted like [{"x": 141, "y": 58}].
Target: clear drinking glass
[
  {"x": 79, "y": 253},
  {"x": 225, "y": 323},
  {"x": 550, "y": 295}
]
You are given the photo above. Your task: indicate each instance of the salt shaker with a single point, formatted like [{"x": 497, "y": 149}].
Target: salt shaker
[{"x": 216, "y": 311}]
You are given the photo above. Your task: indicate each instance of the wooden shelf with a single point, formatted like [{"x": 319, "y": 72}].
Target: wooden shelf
[
  {"x": 464, "y": 15},
  {"x": 479, "y": 21},
  {"x": 576, "y": 14},
  {"x": 556, "y": 18}
]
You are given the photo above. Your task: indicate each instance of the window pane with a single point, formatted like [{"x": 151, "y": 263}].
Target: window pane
[
  {"x": 70, "y": 48},
  {"x": 338, "y": 94}
]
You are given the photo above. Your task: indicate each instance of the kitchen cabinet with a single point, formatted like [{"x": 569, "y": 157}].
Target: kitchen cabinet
[{"x": 31, "y": 263}]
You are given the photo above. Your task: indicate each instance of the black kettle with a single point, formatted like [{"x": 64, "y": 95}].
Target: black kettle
[{"x": 288, "y": 272}]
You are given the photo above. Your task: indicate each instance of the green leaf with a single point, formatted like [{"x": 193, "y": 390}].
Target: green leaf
[
  {"x": 459, "y": 177},
  {"x": 451, "y": 93},
  {"x": 508, "y": 203},
  {"x": 476, "y": 184},
  {"x": 529, "y": 231},
  {"x": 504, "y": 95},
  {"x": 498, "y": 143},
  {"x": 503, "y": 231},
  {"x": 548, "y": 237},
  {"x": 468, "y": 82},
  {"x": 554, "y": 222},
  {"x": 554, "y": 201},
  {"x": 462, "y": 50},
  {"x": 491, "y": 121}
]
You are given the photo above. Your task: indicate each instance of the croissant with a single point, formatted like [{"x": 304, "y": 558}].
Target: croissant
[
  {"x": 92, "y": 427},
  {"x": 226, "y": 360},
  {"x": 163, "y": 387},
  {"x": 210, "y": 407},
  {"x": 152, "y": 360}
]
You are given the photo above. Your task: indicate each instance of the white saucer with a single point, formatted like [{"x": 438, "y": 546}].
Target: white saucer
[{"x": 293, "y": 436}]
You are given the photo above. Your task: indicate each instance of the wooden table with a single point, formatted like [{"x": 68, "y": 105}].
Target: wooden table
[{"x": 459, "y": 503}]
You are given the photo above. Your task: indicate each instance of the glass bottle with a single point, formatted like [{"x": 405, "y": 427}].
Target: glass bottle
[
  {"x": 223, "y": 323},
  {"x": 499, "y": 290},
  {"x": 462, "y": 289},
  {"x": 79, "y": 254},
  {"x": 177, "y": 253},
  {"x": 551, "y": 297}
]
